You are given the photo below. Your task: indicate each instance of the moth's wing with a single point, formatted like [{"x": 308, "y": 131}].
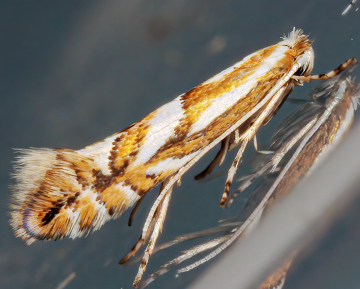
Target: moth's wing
[
  {"x": 65, "y": 193},
  {"x": 56, "y": 195}
]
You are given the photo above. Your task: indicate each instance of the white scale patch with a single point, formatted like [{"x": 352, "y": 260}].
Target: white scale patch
[
  {"x": 100, "y": 153},
  {"x": 131, "y": 196},
  {"x": 162, "y": 126},
  {"x": 229, "y": 69},
  {"x": 75, "y": 223},
  {"x": 222, "y": 103},
  {"x": 174, "y": 164}
]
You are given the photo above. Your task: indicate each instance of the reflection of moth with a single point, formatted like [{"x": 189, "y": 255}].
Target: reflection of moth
[
  {"x": 333, "y": 108},
  {"x": 302, "y": 140},
  {"x": 65, "y": 193}
]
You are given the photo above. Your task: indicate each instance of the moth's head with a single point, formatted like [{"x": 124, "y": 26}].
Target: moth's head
[
  {"x": 303, "y": 51},
  {"x": 306, "y": 61}
]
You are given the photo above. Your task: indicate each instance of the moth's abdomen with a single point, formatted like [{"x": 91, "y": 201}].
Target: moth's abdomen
[{"x": 57, "y": 194}]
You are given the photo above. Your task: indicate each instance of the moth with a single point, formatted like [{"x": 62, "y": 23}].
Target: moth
[
  {"x": 300, "y": 143},
  {"x": 62, "y": 193}
]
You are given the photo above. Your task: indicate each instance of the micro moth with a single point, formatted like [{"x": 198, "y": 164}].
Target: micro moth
[{"x": 65, "y": 193}]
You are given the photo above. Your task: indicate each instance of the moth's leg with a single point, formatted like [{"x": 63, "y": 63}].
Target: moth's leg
[
  {"x": 272, "y": 165},
  {"x": 255, "y": 143},
  {"x": 288, "y": 145},
  {"x": 155, "y": 234},
  {"x": 219, "y": 159},
  {"x": 132, "y": 252},
  {"x": 183, "y": 257},
  {"x": 328, "y": 75},
  {"x": 198, "y": 249},
  {"x": 142, "y": 239},
  {"x": 225, "y": 149},
  {"x": 223, "y": 228},
  {"x": 275, "y": 160},
  {"x": 134, "y": 210},
  {"x": 248, "y": 135},
  {"x": 260, "y": 151},
  {"x": 232, "y": 172},
  {"x": 234, "y": 139},
  {"x": 246, "y": 183}
]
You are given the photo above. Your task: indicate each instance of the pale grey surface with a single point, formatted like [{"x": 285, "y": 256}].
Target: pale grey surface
[
  {"x": 299, "y": 219},
  {"x": 74, "y": 72}
]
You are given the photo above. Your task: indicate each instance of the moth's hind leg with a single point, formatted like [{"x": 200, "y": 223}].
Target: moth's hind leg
[
  {"x": 134, "y": 210},
  {"x": 232, "y": 172},
  {"x": 156, "y": 230},
  {"x": 142, "y": 240},
  {"x": 219, "y": 159}
]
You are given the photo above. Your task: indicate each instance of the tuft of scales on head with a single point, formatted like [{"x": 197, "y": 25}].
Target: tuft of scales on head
[{"x": 300, "y": 43}]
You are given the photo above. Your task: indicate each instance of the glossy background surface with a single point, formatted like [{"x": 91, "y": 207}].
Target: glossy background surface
[{"x": 74, "y": 72}]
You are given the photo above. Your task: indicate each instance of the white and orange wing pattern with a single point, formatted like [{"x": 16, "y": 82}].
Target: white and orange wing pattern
[{"x": 65, "y": 193}]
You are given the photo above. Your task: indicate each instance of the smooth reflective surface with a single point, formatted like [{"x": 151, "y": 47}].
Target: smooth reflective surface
[{"x": 74, "y": 73}]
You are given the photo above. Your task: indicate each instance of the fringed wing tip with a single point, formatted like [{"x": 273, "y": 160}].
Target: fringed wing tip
[{"x": 53, "y": 196}]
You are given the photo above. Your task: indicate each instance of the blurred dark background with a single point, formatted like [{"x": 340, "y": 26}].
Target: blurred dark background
[{"x": 75, "y": 72}]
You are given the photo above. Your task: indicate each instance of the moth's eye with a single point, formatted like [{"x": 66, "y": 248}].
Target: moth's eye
[
  {"x": 300, "y": 71},
  {"x": 305, "y": 69}
]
